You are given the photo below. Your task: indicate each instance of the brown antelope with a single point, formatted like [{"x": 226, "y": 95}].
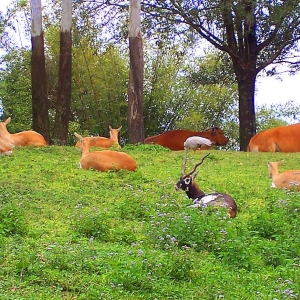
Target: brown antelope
[
  {"x": 23, "y": 138},
  {"x": 174, "y": 139},
  {"x": 199, "y": 198},
  {"x": 5, "y": 147},
  {"x": 278, "y": 139},
  {"x": 103, "y": 142},
  {"x": 104, "y": 160},
  {"x": 288, "y": 179}
]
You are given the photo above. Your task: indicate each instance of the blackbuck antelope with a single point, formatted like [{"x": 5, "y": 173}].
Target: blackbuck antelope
[
  {"x": 103, "y": 142},
  {"x": 288, "y": 179},
  {"x": 199, "y": 198},
  {"x": 23, "y": 138},
  {"x": 104, "y": 160},
  {"x": 5, "y": 147},
  {"x": 197, "y": 142}
]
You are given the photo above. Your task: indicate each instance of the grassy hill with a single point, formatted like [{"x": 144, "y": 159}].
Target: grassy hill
[{"x": 68, "y": 233}]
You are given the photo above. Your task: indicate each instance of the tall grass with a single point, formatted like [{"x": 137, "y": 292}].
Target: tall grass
[{"x": 68, "y": 233}]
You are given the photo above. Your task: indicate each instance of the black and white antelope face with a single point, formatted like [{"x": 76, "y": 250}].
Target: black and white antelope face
[{"x": 185, "y": 183}]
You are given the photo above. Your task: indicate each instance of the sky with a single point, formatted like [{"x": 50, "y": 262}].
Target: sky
[{"x": 269, "y": 90}]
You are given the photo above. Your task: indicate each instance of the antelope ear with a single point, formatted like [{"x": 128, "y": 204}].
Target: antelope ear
[
  {"x": 109, "y": 127},
  {"x": 195, "y": 174},
  {"x": 78, "y": 136}
]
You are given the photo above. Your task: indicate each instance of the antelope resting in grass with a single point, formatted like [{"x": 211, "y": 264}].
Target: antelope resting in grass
[
  {"x": 174, "y": 139},
  {"x": 199, "y": 198},
  {"x": 5, "y": 147},
  {"x": 103, "y": 142},
  {"x": 278, "y": 139},
  {"x": 23, "y": 138},
  {"x": 288, "y": 179},
  {"x": 197, "y": 142},
  {"x": 104, "y": 160}
]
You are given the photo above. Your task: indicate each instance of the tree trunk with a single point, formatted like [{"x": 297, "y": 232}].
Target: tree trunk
[
  {"x": 246, "y": 87},
  {"x": 63, "y": 105},
  {"x": 135, "y": 87},
  {"x": 40, "y": 118}
]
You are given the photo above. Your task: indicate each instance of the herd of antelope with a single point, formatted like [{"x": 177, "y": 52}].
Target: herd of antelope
[{"x": 279, "y": 139}]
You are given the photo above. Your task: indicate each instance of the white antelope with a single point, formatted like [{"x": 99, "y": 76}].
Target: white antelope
[
  {"x": 289, "y": 179},
  {"x": 5, "y": 147},
  {"x": 199, "y": 198},
  {"x": 104, "y": 160},
  {"x": 197, "y": 142},
  {"x": 103, "y": 142},
  {"x": 23, "y": 138}
]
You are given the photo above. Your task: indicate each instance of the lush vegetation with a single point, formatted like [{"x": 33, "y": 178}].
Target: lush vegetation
[
  {"x": 187, "y": 85},
  {"x": 68, "y": 233}
]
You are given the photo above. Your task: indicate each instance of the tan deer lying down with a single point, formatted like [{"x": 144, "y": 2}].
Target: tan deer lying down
[
  {"x": 104, "y": 160},
  {"x": 23, "y": 138},
  {"x": 103, "y": 142},
  {"x": 288, "y": 179},
  {"x": 5, "y": 147}
]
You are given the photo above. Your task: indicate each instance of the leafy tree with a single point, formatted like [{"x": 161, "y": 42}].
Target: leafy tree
[
  {"x": 165, "y": 88},
  {"x": 254, "y": 34},
  {"x": 176, "y": 98},
  {"x": 277, "y": 115},
  {"x": 15, "y": 91},
  {"x": 99, "y": 83},
  {"x": 99, "y": 93}
]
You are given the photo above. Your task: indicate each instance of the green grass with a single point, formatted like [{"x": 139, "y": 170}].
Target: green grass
[{"x": 68, "y": 233}]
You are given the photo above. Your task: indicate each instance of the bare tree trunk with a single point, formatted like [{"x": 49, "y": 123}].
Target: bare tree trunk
[
  {"x": 63, "y": 104},
  {"x": 246, "y": 87},
  {"x": 135, "y": 88},
  {"x": 40, "y": 118}
]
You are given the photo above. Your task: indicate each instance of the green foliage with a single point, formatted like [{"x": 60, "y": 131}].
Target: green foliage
[
  {"x": 186, "y": 105},
  {"x": 12, "y": 217},
  {"x": 68, "y": 233},
  {"x": 15, "y": 92},
  {"x": 90, "y": 224},
  {"x": 99, "y": 91},
  {"x": 277, "y": 115}
]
